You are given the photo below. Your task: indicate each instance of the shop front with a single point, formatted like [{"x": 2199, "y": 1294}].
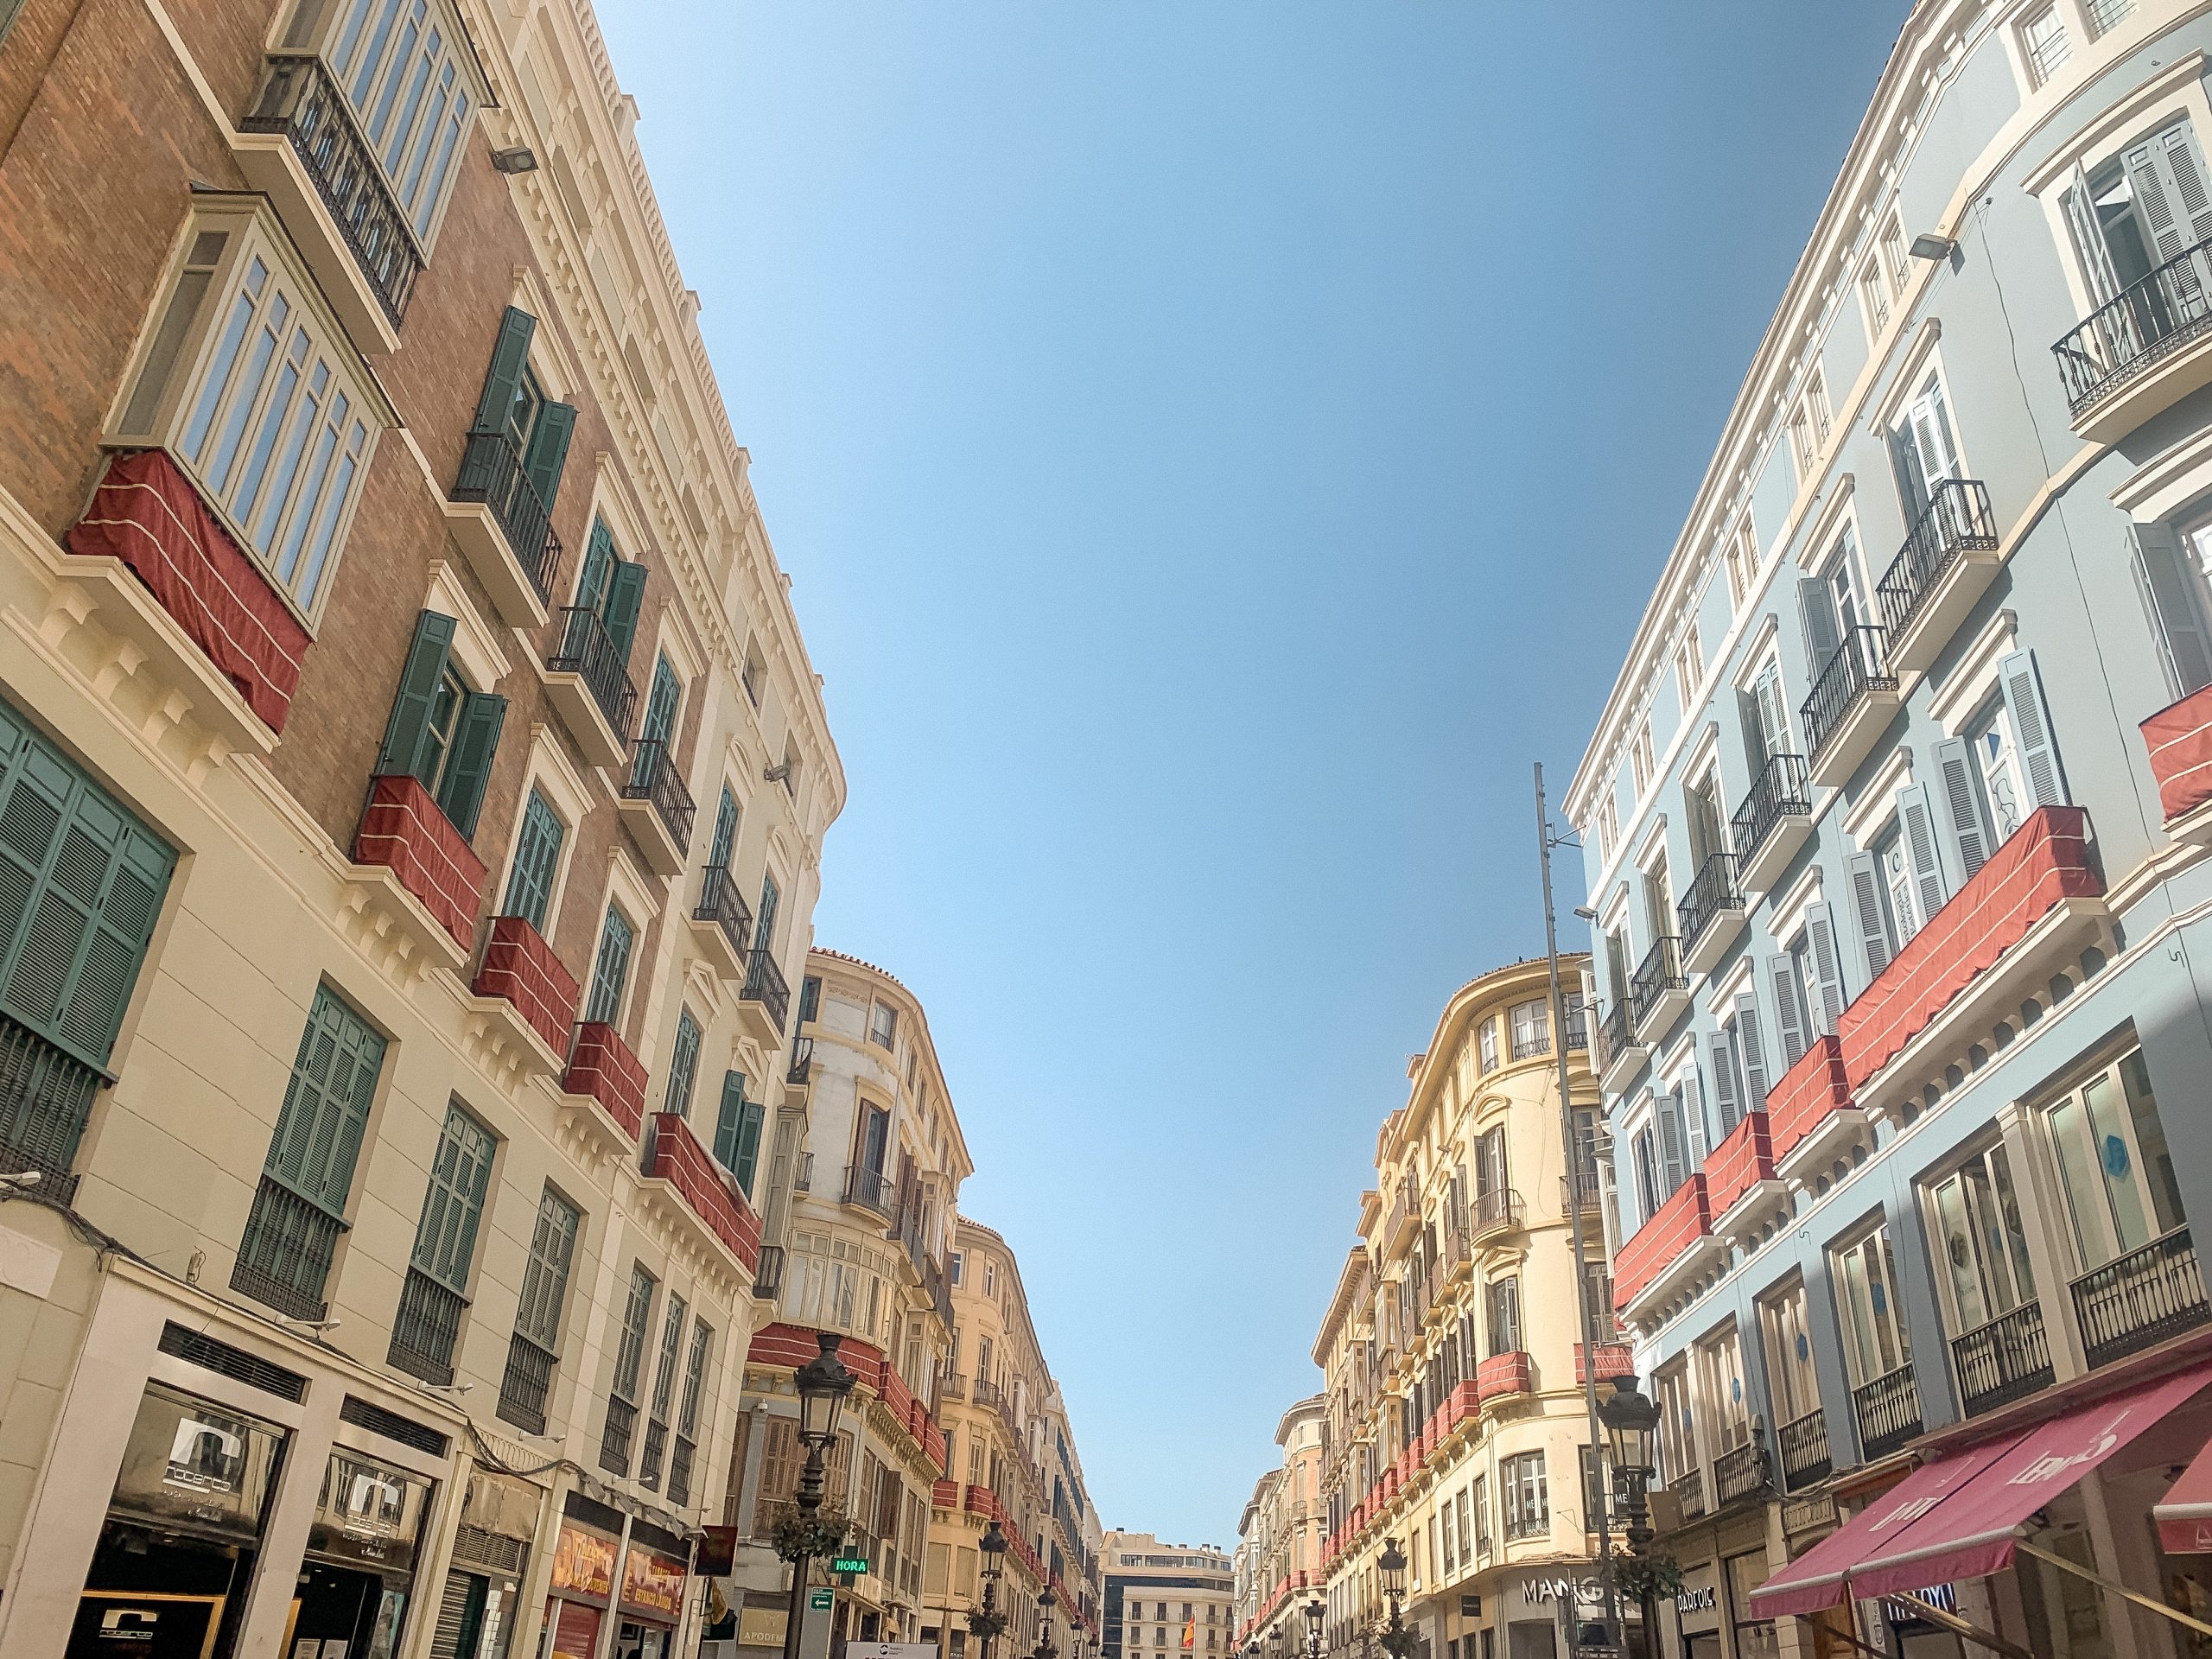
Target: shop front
[
  {"x": 491, "y": 1553},
  {"x": 652, "y": 1603},
  {"x": 358, "y": 1575},
  {"x": 1697, "y": 1612},
  {"x": 582, "y": 1589}
]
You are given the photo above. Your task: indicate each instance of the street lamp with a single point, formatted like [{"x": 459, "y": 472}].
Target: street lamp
[
  {"x": 1045, "y": 1648},
  {"x": 1397, "y": 1640},
  {"x": 1631, "y": 1422},
  {"x": 988, "y": 1621},
  {"x": 822, "y": 1384},
  {"x": 1314, "y": 1614}
]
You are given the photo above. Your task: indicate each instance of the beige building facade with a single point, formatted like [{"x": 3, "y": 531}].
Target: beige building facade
[
  {"x": 1279, "y": 1536},
  {"x": 1166, "y": 1600}
]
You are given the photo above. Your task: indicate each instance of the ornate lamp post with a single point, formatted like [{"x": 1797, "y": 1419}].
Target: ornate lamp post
[
  {"x": 823, "y": 1384},
  {"x": 986, "y": 1622},
  {"x": 1631, "y": 1422},
  {"x": 1314, "y": 1614},
  {"x": 1397, "y": 1640},
  {"x": 1045, "y": 1648}
]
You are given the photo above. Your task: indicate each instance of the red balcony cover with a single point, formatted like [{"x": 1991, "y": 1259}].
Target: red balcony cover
[
  {"x": 520, "y": 966},
  {"x": 1656, "y": 1245},
  {"x": 602, "y": 1066},
  {"x": 792, "y": 1346},
  {"x": 678, "y": 1158},
  {"x": 1502, "y": 1374},
  {"x": 1614, "y": 1359},
  {"x": 1743, "y": 1159},
  {"x": 148, "y": 514},
  {"x": 945, "y": 1495},
  {"x": 1805, "y": 1094},
  {"x": 404, "y": 832},
  {"x": 1956, "y": 1519},
  {"x": 2043, "y": 863},
  {"x": 2179, "y": 740}
]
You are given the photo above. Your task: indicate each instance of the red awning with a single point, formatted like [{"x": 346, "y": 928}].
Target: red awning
[
  {"x": 2184, "y": 1515},
  {"x": 1955, "y": 1519}
]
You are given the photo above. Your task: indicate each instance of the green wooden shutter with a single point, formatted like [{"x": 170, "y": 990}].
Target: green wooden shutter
[
  {"x": 453, "y": 1206},
  {"x": 407, "y": 734},
  {"x": 598, "y": 560},
  {"x": 683, "y": 1066},
  {"x": 549, "y": 451},
  {"x": 612, "y": 969},
  {"x": 748, "y": 1163},
  {"x": 727, "y": 1117},
  {"x": 725, "y": 830},
  {"x": 81, "y": 885},
  {"x": 510, "y": 356},
  {"x": 625, "y": 587},
  {"x": 764, "y": 926},
  {"x": 637, "y": 1321},
  {"x": 461, "y": 795},
  {"x": 318, "y": 1139},
  {"x": 545, "y": 1276},
  {"x": 660, "y": 705},
  {"x": 538, "y": 855}
]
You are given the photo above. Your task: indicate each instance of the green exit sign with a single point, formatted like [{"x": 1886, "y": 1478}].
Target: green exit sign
[{"x": 854, "y": 1565}]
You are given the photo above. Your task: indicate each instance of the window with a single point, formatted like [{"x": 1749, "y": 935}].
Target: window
[
  {"x": 882, "y": 1024},
  {"x": 519, "y": 446},
  {"x": 1528, "y": 1507},
  {"x": 1874, "y": 1341},
  {"x": 2043, "y": 44},
  {"x": 1743, "y": 560},
  {"x": 1640, "y": 757},
  {"x": 1893, "y": 252},
  {"x": 1898, "y": 884},
  {"x": 683, "y": 1066},
  {"x": 1609, "y": 826},
  {"x": 956, "y": 1266},
  {"x": 299, "y": 1209},
  {"x": 538, "y": 860},
  {"x": 809, "y": 999},
  {"x": 990, "y": 1278},
  {"x": 1981, "y": 1245},
  {"x": 629, "y": 1361},
  {"x": 1689, "y": 666},
  {"x": 1720, "y": 1383},
  {"x": 763, "y": 922},
  {"x": 1486, "y": 1044},
  {"x": 441, "y": 733},
  {"x": 430, "y": 1304},
  {"x": 1875, "y": 295},
  {"x": 1531, "y": 1024},
  {"x": 737, "y": 1132},
  {"x": 687, "y": 1412},
  {"x": 1816, "y": 406},
  {"x": 536, "y": 1340},
  {"x": 2142, "y": 209},
  {"x": 609, "y": 589},
  {"x": 1789, "y": 1374},
  {"x": 1678, "y": 1449},
  {"x": 1923, "y": 450},
  {"x": 2105, "y": 15},
  {"x": 256, "y": 393},
  {"x": 751, "y": 674},
  {"x": 1504, "y": 1299},
  {"x": 671, "y": 1342},
  {"x": 655, "y": 755},
  {"x": 2114, "y": 1166},
  {"x": 610, "y": 970}
]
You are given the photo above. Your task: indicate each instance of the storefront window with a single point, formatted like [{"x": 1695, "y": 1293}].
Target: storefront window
[
  {"x": 360, "y": 1570},
  {"x": 1754, "y": 1638}
]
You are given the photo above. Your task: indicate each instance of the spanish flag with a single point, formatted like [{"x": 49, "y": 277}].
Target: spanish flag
[{"x": 1189, "y": 1635}]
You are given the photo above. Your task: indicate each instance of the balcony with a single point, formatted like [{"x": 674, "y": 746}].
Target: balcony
[
  {"x": 1665, "y": 1248},
  {"x": 1404, "y": 1215},
  {"x": 720, "y": 924},
  {"x": 657, "y": 807},
  {"x": 801, "y": 1070},
  {"x": 1804, "y": 1442},
  {"x": 764, "y": 999},
  {"x": 45, "y": 1097},
  {"x": 2178, "y": 742},
  {"x": 524, "y": 1001},
  {"x": 1711, "y": 914},
  {"x": 404, "y": 833},
  {"x": 712, "y": 1210},
  {"x": 768, "y": 1274},
  {"x": 603, "y": 1071},
  {"x": 504, "y": 529},
  {"x": 2142, "y": 351},
  {"x": 1621, "y": 1053},
  {"x": 1498, "y": 1210},
  {"x": 1854, "y": 695},
  {"x": 1660, "y": 989},
  {"x": 284, "y": 1262},
  {"x": 2005, "y": 1360},
  {"x": 1739, "y": 1473},
  {"x": 303, "y": 148},
  {"x": 1688, "y": 1488},
  {"x": 425, "y": 1329},
  {"x": 1809, "y": 1111},
  {"x": 1775, "y": 819},
  {"x": 1614, "y": 1359},
  {"x": 1740, "y": 1171},
  {"x": 525, "y": 1384},
  {"x": 2034, "y": 906},
  {"x": 587, "y": 681},
  {"x": 2140, "y": 1299},
  {"x": 1888, "y": 1412},
  {"x": 1503, "y": 1374},
  {"x": 870, "y": 1189},
  {"x": 1948, "y": 562}
]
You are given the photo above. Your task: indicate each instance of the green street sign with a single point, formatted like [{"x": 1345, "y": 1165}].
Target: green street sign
[
  {"x": 854, "y": 1565},
  {"x": 822, "y": 1601}
]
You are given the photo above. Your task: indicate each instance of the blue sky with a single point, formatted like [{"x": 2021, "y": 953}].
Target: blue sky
[{"x": 1217, "y": 446}]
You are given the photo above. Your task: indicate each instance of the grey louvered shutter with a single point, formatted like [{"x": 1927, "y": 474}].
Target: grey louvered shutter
[
  {"x": 1957, "y": 789},
  {"x": 1781, "y": 970},
  {"x": 81, "y": 885},
  {"x": 461, "y": 795},
  {"x": 1866, "y": 901},
  {"x": 1672, "y": 1148},
  {"x": 1823, "y": 634},
  {"x": 2089, "y": 238},
  {"x": 2031, "y": 733},
  {"x": 1751, "y": 1052},
  {"x": 509, "y": 357},
  {"x": 407, "y": 732},
  {"x": 538, "y": 855},
  {"x": 326, "y": 1111},
  {"x": 1819, "y": 936},
  {"x": 2174, "y": 603},
  {"x": 453, "y": 1204},
  {"x": 2169, "y": 191},
  {"x": 1694, "y": 1121},
  {"x": 1917, "y": 827},
  {"x": 549, "y": 451},
  {"x": 1723, "y": 1055}
]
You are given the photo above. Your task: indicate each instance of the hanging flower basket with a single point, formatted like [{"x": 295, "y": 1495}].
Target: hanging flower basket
[{"x": 794, "y": 1533}]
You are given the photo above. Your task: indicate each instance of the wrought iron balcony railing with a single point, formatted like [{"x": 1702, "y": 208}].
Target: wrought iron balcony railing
[
  {"x": 2005, "y": 1360},
  {"x": 1854, "y": 670},
  {"x": 679, "y": 1470},
  {"x": 1712, "y": 890},
  {"x": 1660, "y": 973},
  {"x": 45, "y": 1097},
  {"x": 1956, "y": 520},
  {"x": 1499, "y": 1208},
  {"x": 654, "y": 778},
  {"x": 301, "y": 101},
  {"x": 284, "y": 1260},
  {"x": 614, "y": 1441},
  {"x": 2127, "y": 337},
  {"x": 802, "y": 1066},
  {"x": 527, "y": 1383},
  {"x": 1689, "y": 1488},
  {"x": 1888, "y": 1410},
  {"x": 1739, "y": 1471},
  {"x": 425, "y": 1329},
  {"x": 718, "y": 904},
  {"x": 655, "y": 1450},
  {"x": 1619, "y": 1035},
  {"x": 2145, "y": 1297},
  {"x": 871, "y": 1189},
  {"x": 768, "y": 1273},
  {"x": 492, "y": 472},
  {"x": 1527, "y": 1048},
  {"x": 1578, "y": 1026},
  {"x": 589, "y": 651},
  {"x": 765, "y": 984},
  {"x": 1780, "y": 791},
  {"x": 1805, "y": 1449}
]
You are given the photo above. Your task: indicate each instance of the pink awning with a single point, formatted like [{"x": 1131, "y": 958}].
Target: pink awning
[
  {"x": 1955, "y": 1519},
  {"x": 2184, "y": 1515}
]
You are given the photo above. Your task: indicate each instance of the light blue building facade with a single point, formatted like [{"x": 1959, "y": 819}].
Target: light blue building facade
[{"x": 1895, "y": 831}]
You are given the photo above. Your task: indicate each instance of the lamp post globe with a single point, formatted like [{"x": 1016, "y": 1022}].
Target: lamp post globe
[
  {"x": 1631, "y": 1420},
  {"x": 1315, "y": 1613},
  {"x": 822, "y": 1384},
  {"x": 1393, "y": 1563}
]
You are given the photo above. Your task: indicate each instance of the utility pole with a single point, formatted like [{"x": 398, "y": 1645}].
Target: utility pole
[{"x": 1615, "y": 1635}]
